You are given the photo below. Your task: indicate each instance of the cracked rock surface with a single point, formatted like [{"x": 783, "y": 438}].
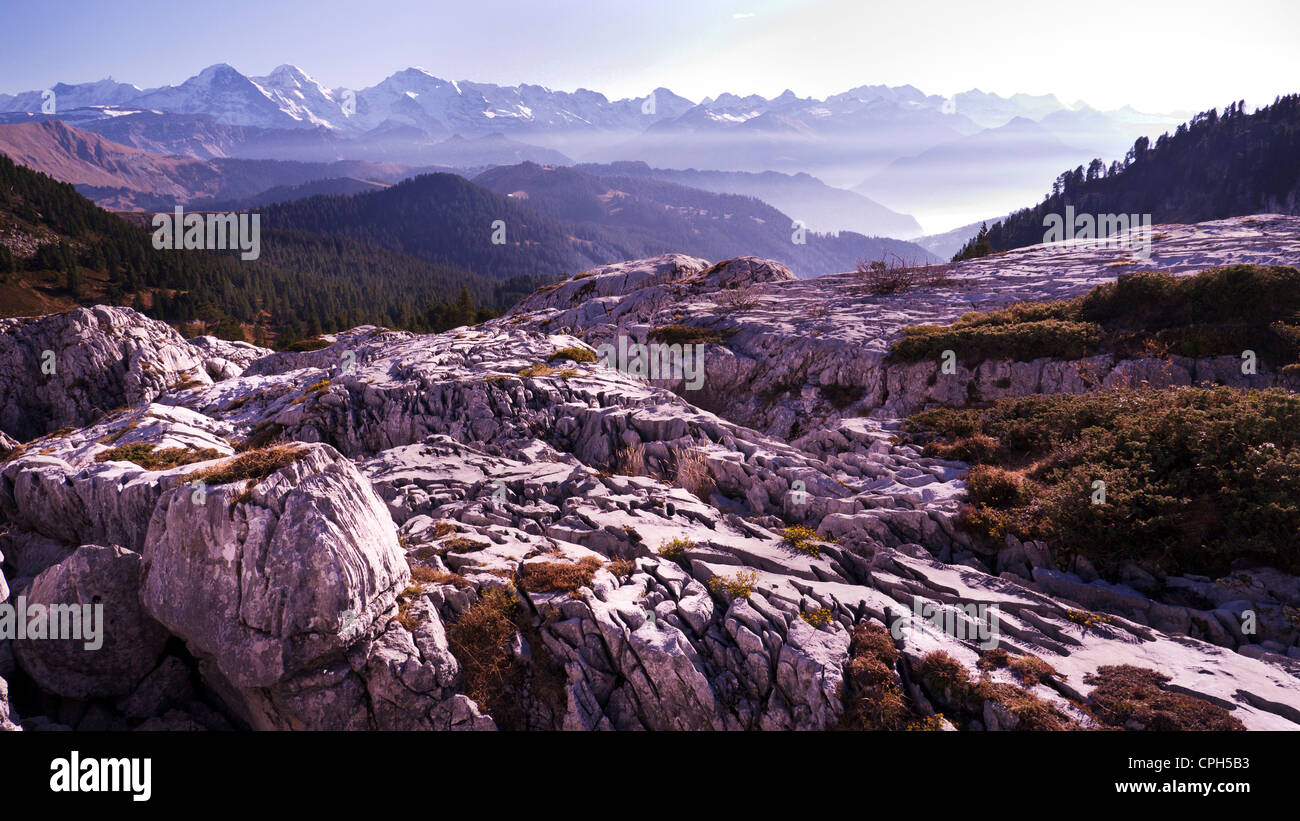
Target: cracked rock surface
[{"x": 629, "y": 534}]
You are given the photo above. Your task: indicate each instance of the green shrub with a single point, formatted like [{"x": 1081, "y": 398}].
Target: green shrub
[
  {"x": 1195, "y": 478},
  {"x": 1222, "y": 311},
  {"x": 576, "y": 354},
  {"x": 149, "y": 458},
  {"x": 1028, "y": 340}
]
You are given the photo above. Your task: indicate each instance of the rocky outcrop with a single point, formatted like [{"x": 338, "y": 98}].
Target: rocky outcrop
[
  {"x": 801, "y": 356},
  {"x": 483, "y": 528},
  {"x": 70, "y": 369},
  {"x": 911, "y": 386}
]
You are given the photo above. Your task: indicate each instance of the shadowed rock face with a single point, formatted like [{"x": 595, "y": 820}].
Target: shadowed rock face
[
  {"x": 345, "y": 587},
  {"x": 128, "y": 642}
]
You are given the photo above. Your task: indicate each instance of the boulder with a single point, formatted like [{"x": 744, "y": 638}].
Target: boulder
[
  {"x": 119, "y": 642},
  {"x": 272, "y": 580}
]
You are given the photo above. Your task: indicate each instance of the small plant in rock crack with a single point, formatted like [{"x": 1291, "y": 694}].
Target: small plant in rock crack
[
  {"x": 819, "y": 617},
  {"x": 621, "y": 568},
  {"x": 1087, "y": 619},
  {"x": 463, "y": 544},
  {"x": 738, "y": 586},
  {"x": 676, "y": 548},
  {"x": 427, "y": 575},
  {"x": 558, "y": 577},
  {"x": 804, "y": 539},
  {"x": 1028, "y": 669},
  {"x": 538, "y": 370},
  {"x": 691, "y": 471},
  {"x": 630, "y": 461},
  {"x": 575, "y": 354},
  {"x": 406, "y": 600}
]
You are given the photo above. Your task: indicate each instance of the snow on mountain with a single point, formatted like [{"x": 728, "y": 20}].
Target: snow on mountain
[
  {"x": 225, "y": 94},
  {"x": 288, "y": 97},
  {"x": 301, "y": 97},
  {"x": 106, "y": 92}
]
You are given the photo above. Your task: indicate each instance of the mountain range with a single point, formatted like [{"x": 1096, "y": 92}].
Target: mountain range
[
  {"x": 595, "y": 215},
  {"x": 413, "y": 117}
]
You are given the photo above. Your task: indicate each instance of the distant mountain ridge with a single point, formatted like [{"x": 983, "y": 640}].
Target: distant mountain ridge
[
  {"x": 126, "y": 178},
  {"x": 641, "y": 216},
  {"x": 820, "y": 206},
  {"x": 408, "y": 117}
]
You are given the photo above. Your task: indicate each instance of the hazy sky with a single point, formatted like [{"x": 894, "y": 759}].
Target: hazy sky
[{"x": 1159, "y": 56}]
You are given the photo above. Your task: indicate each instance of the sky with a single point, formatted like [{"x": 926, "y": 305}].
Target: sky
[{"x": 1159, "y": 56}]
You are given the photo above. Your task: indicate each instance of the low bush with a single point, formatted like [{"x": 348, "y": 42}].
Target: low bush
[
  {"x": 151, "y": 458},
  {"x": 1194, "y": 478},
  {"x": 872, "y": 692},
  {"x": 1135, "y": 698},
  {"x": 1222, "y": 311},
  {"x": 684, "y": 335},
  {"x": 950, "y": 683},
  {"x": 558, "y": 577},
  {"x": 574, "y": 354},
  {"x": 304, "y": 345}
]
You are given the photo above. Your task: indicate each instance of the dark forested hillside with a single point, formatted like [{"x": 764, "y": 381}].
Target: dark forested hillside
[
  {"x": 1216, "y": 166},
  {"x": 641, "y": 216},
  {"x": 447, "y": 220},
  {"x": 57, "y": 249}
]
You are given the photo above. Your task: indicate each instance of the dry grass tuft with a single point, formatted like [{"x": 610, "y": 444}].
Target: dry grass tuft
[
  {"x": 253, "y": 465},
  {"x": 558, "y": 577}
]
